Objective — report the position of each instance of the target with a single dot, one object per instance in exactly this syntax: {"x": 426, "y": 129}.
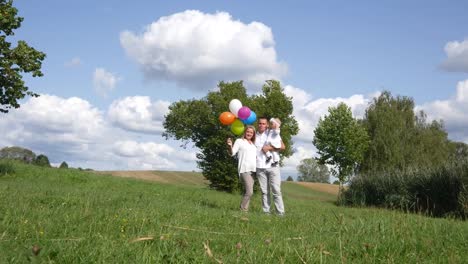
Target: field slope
{"x": 70, "y": 216}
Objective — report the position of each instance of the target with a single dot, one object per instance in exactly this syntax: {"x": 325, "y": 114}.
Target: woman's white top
{"x": 247, "y": 155}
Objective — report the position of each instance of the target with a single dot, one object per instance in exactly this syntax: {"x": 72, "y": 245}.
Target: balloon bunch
{"x": 237, "y": 117}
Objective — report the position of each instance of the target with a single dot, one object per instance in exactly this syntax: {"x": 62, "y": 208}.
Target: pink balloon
{"x": 244, "y": 112}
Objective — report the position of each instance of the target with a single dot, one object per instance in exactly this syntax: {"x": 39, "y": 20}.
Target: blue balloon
{"x": 251, "y": 119}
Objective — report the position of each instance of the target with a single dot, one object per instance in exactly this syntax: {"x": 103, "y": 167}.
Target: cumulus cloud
{"x": 76, "y": 61}
{"x": 308, "y": 111}
{"x": 303, "y": 151}
{"x": 150, "y": 155}
{"x": 138, "y": 114}
{"x": 457, "y": 56}
{"x": 51, "y": 124}
{"x": 73, "y": 130}
{"x": 104, "y": 81}
{"x": 197, "y": 50}
{"x": 452, "y": 111}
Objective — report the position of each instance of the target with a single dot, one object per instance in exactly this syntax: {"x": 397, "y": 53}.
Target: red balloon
{"x": 226, "y": 118}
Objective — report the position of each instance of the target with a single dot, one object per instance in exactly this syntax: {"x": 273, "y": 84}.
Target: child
{"x": 274, "y": 139}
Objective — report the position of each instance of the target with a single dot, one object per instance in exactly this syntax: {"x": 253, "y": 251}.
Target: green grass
{"x": 80, "y": 217}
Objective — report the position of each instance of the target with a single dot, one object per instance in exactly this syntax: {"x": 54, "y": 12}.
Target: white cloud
{"x": 452, "y": 111}
{"x": 138, "y": 114}
{"x": 76, "y": 61}
{"x": 104, "y": 81}
{"x": 303, "y": 151}
{"x": 197, "y": 50}
{"x": 308, "y": 112}
{"x": 72, "y": 130}
{"x": 457, "y": 56}
{"x": 50, "y": 124}
{"x": 150, "y": 155}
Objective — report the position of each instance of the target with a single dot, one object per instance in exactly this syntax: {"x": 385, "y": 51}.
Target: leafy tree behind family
{"x": 400, "y": 139}
{"x": 195, "y": 122}
{"x": 311, "y": 171}
{"x": 341, "y": 141}
{"x": 15, "y": 61}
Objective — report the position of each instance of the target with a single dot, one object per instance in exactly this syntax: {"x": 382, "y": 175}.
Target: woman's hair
{"x": 253, "y": 128}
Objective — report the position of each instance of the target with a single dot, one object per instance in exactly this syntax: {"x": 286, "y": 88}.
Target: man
{"x": 268, "y": 176}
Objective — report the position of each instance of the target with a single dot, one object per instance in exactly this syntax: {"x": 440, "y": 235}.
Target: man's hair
{"x": 263, "y": 117}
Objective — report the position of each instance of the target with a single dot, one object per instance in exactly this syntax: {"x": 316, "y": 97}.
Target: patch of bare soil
{"x": 321, "y": 187}
{"x": 163, "y": 177}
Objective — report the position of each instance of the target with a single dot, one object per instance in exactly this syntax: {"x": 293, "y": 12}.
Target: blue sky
{"x": 110, "y": 70}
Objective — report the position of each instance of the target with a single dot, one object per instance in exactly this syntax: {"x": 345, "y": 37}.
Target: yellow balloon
{"x": 237, "y": 127}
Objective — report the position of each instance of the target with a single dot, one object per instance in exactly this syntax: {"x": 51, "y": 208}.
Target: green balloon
{"x": 237, "y": 127}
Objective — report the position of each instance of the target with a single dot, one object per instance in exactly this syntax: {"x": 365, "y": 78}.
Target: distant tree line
{"x": 27, "y": 156}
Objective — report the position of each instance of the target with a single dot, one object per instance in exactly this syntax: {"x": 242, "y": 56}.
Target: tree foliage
{"x": 341, "y": 141}
{"x": 14, "y": 61}
{"x": 17, "y": 153}
{"x": 290, "y": 178}
{"x": 311, "y": 171}
{"x": 196, "y": 122}
{"x": 458, "y": 151}
{"x": 42, "y": 160}
{"x": 63, "y": 165}
{"x": 399, "y": 139}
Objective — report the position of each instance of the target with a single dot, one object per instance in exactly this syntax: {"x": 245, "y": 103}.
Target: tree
{"x": 42, "y": 160}
{"x": 196, "y": 121}
{"x": 341, "y": 141}
{"x": 63, "y": 165}
{"x": 290, "y": 178}
{"x": 311, "y": 171}
{"x": 399, "y": 139}
{"x": 17, "y": 153}
{"x": 459, "y": 151}
{"x": 15, "y": 61}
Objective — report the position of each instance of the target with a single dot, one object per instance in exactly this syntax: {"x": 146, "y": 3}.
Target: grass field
{"x": 71, "y": 216}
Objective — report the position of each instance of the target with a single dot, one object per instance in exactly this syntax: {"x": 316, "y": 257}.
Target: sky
{"x": 113, "y": 68}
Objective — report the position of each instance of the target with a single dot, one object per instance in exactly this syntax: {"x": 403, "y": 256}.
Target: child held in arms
{"x": 274, "y": 140}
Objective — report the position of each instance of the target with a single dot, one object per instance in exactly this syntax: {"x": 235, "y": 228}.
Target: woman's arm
{"x": 229, "y": 146}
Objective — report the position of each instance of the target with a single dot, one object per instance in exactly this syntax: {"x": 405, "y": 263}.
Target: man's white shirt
{"x": 260, "y": 140}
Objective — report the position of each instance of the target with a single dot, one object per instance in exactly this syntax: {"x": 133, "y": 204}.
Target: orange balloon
{"x": 226, "y": 118}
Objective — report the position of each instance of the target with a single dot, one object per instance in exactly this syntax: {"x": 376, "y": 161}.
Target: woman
{"x": 247, "y": 155}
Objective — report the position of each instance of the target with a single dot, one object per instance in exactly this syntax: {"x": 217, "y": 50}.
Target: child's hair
{"x": 276, "y": 120}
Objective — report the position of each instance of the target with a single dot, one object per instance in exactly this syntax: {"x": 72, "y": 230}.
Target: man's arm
{"x": 269, "y": 147}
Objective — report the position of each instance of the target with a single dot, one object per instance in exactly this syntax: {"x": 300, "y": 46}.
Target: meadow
{"x": 50, "y": 215}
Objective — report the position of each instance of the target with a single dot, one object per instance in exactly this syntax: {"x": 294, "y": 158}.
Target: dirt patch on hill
{"x": 144, "y": 175}
{"x": 321, "y": 187}
{"x": 170, "y": 177}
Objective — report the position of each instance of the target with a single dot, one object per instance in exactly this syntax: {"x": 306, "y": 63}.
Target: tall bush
{"x": 437, "y": 191}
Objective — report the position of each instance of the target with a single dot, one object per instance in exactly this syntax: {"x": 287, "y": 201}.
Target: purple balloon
{"x": 244, "y": 112}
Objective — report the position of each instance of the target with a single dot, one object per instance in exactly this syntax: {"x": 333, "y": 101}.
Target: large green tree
{"x": 196, "y": 122}
{"x": 311, "y": 171}
{"x": 341, "y": 141}
{"x": 14, "y": 61}
{"x": 399, "y": 139}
